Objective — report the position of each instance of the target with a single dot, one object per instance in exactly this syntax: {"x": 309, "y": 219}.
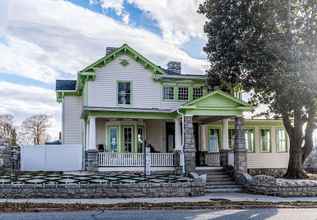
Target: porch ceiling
{"x": 216, "y": 103}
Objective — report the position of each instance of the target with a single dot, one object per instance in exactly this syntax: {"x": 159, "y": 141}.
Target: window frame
{"x": 173, "y": 96}
{"x": 193, "y": 93}
{"x": 278, "y": 141}
{"x": 178, "y": 93}
{"x": 270, "y": 141}
{"x": 131, "y": 89}
{"x": 254, "y": 137}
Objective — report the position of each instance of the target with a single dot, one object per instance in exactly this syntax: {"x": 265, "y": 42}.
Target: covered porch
{"x": 117, "y": 140}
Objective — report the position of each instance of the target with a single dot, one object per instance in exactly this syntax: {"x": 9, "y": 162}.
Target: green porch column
{"x": 189, "y": 145}
{"x": 240, "y": 151}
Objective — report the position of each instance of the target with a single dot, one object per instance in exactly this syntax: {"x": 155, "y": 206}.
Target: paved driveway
{"x": 254, "y": 214}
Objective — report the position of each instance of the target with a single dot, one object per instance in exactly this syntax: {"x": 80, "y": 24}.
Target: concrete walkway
{"x": 236, "y": 197}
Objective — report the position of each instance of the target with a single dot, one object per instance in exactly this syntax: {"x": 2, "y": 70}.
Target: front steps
{"x": 218, "y": 180}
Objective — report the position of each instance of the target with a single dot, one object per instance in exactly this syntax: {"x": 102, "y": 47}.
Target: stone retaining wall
{"x": 269, "y": 185}
{"x": 195, "y": 188}
{"x": 275, "y": 172}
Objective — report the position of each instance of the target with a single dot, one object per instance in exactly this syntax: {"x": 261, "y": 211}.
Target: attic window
{"x": 197, "y": 92}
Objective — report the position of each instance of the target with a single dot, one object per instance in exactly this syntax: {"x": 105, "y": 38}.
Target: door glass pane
{"x": 113, "y": 139}
{"x": 127, "y": 138}
{"x": 231, "y": 138}
{"x": 214, "y": 140}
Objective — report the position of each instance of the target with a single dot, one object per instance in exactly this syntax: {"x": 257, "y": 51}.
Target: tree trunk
{"x": 295, "y": 165}
{"x": 295, "y": 168}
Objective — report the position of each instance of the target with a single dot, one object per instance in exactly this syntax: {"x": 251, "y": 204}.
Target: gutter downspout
{"x": 182, "y": 158}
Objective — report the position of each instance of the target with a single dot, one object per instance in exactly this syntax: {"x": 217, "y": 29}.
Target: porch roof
{"x": 121, "y": 112}
{"x": 216, "y": 103}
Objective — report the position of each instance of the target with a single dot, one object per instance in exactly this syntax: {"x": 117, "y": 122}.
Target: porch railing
{"x": 107, "y": 159}
{"x": 213, "y": 159}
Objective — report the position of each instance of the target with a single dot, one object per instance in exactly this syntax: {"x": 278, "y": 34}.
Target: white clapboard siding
{"x": 268, "y": 160}
{"x": 72, "y": 109}
{"x": 146, "y": 93}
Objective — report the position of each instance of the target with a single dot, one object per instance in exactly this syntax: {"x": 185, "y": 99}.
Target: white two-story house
{"x": 123, "y": 102}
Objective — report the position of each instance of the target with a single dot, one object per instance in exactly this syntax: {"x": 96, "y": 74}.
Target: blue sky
{"x": 45, "y": 40}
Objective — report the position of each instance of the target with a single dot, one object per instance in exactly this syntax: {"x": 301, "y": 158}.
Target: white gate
{"x": 66, "y": 157}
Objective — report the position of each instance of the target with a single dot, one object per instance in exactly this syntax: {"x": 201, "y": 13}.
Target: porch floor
{"x": 54, "y": 178}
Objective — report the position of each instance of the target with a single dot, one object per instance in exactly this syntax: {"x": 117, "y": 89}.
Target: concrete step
{"x": 227, "y": 178}
{"x": 229, "y": 182}
{"x": 225, "y": 186}
{"x": 224, "y": 190}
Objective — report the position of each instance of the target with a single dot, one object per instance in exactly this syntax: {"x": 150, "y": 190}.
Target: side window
{"x": 168, "y": 93}
{"x": 197, "y": 92}
{"x": 250, "y": 139}
{"x": 265, "y": 140}
{"x": 183, "y": 93}
{"x": 281, "y": 140}
{"x": 124, "y": 93}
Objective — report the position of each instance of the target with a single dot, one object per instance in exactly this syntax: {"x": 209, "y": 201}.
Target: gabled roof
{"x": 216, "y": 103}
{"x": 65, "y": 85}
{"x": 127, "y": 50}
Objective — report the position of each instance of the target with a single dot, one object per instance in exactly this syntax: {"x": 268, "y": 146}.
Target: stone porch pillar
{"x": 240, "y": 151}
{"x": 91, "y": 152}
{"x": 189, "y": 145}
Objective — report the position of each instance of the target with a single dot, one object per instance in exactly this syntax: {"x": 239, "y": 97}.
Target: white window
{"x": 281, "y": 140}
{"x": 249, "y": 140}
{"x": 182, "y": 93}
{"x": 197, "y": 92}
{"x": 168, "y": 93}
{"x": 265, "y": 140}
{"x": 124, "y": 93}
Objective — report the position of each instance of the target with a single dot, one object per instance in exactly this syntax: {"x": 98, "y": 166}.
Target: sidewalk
{"x": 233, "y": 197}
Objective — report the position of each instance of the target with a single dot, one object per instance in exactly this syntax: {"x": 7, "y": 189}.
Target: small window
{"x": 168, "y": 93}
{"x": 231, "y": 138}
{"x": 182, "y": 93}
{"x": 124, "y": 93}
{"x": 249, "y": 140}
{"x": 197, "y": 92}
{"x": 281, "y": 141}
{"x": 265, "y": 140}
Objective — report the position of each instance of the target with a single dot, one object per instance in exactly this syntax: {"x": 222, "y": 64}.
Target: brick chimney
{"x": 174, "y": 67}
{"x": 110, "y": 49}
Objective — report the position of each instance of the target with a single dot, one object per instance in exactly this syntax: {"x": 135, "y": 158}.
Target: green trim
{"x": 131, "y": 92}
{"x": 127, "y": 50}
{"x": 219, "y": 92}
{"x": 143, "y": 115}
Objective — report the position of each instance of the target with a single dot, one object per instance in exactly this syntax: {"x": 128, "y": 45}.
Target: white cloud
{"x": 4, "y": 5}
{"x": 24, "y": 101}
{"x": 49, "y": 38}
{"x": 178, "y": 19}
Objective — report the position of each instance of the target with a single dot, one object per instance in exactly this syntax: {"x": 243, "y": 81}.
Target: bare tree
{"x": 34, "y": 129}
{"x": 7, "y": 129}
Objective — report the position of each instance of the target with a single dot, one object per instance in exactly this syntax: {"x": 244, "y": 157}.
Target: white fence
{"x": 107, "y": 159}
{"x": 51, "y": 157}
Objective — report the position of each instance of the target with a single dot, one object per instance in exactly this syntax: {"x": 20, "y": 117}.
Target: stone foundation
{"x": 77, "y": 191}
{"x": 9, "y": 159}
{"x": 275, "y": 172}
{"x": 268, "y": 185}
